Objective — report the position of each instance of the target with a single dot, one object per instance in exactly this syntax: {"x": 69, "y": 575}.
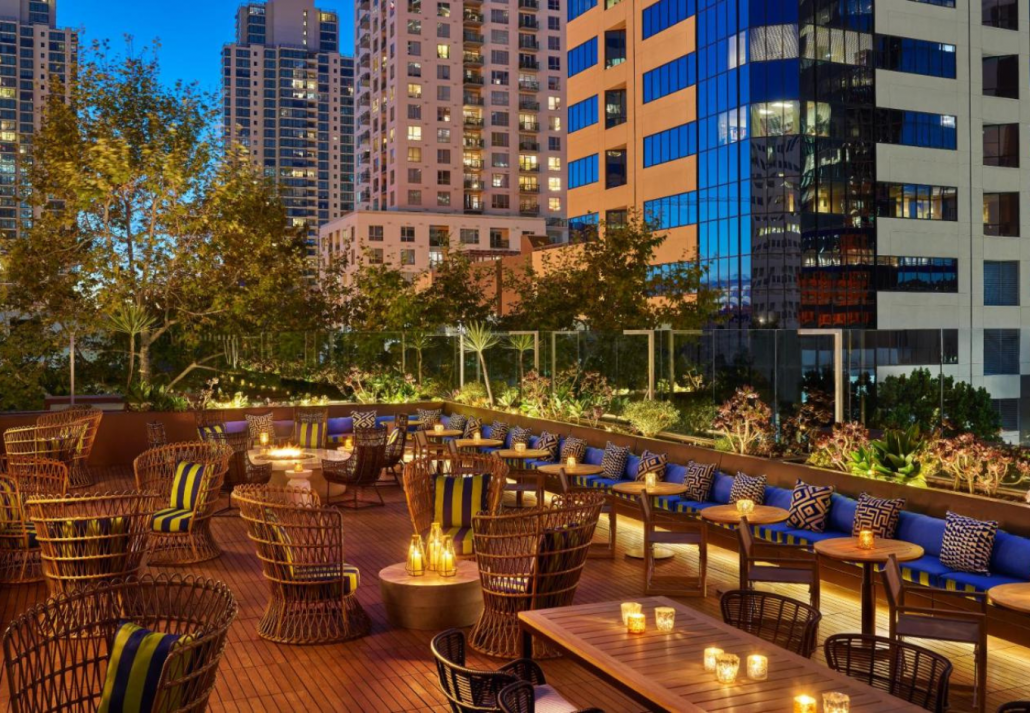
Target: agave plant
{"x": 479, "y": 338}
{"x": 894, "y": 457}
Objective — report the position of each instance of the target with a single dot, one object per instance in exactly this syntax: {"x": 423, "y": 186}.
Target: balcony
{"x": 473, "y": 78}
{"x": 499, "y": 243}
{"x": 529, "y": 167}
{"x": 363, "y": 21}
{"x": 528, "y": 22}
{"x": 529, "y": 85}
{"x": 528, "y": 42}
{"x": 472, "y": 38}
{"x": 473, "y": 164}
{"x": 472, "y": 100}
{"x": 529, "y": 5}
{"x": 473, "y": 184}
{"x": 473, "y": 204}
{"x": 473, "y": 58}
{"x": 529, "y": 145}
{"x": 523, "y": 188}
{"x": 472, "y": 17}
{"x": 529, "y": 104}
{"x": 473, "y": 122}
{"x": 529, "y": 126}
{"x": 529, "y": 209}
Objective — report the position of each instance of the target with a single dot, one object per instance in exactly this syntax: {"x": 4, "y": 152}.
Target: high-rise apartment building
{"x": 834, "y": 165}
{"x": 35, "y": 56}
{"x": 460, "y": 107}
{"x": 288, "y": 98}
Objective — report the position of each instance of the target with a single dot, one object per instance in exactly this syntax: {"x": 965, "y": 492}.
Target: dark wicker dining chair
{"x": 912, "y": 673}
{"x": 361, "y": 470}
{"x": 523, "y": 697}
{"x": 1014, "y": 707}
{"x": 470, "y": 690}
{"x": 780, "y": 620}
{"x": 395, "y": 445}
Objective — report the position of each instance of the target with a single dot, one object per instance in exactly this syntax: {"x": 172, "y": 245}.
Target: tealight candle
{"x": 757, "y": 667}
{"x": 866, "y": 540}
{"x": 520, "y": 447}
{"x": 570, "y": 462}
{"x": 416, "y": 565}
{"x": 297, "y": 467}
{"x": 650, "y": 480}
{"x": 348, "y": 444}
{"x": 630, "y": 608}
{"x": 438, "y": 428}
{"x": 745, "y": 507}
{"x": 804, "y": 704}
{"x": 263, "y": 439}
{"x": 726, "y": 668}
{"x": 477, "y": 437}
{"x": 836, "y": 702}
{"x": 636, "y": 623}
{"x": 711, "y": 653}
{"x": 448, "y": 560}
{"x": 665, "y": 618}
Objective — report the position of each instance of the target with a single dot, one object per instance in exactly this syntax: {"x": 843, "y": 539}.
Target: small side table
{"x": 1014, "y": 596}
{"x": 637, "y": 488}
{"x": 431, "y": 602}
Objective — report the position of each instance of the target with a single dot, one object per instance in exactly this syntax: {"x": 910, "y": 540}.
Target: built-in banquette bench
{"x": 338, "y": 428}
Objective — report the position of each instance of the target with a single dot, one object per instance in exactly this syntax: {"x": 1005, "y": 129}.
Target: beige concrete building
{"x": 460, "y": 108}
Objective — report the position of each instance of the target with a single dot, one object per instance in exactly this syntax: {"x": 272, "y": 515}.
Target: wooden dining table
{"x": 665, "y": 671}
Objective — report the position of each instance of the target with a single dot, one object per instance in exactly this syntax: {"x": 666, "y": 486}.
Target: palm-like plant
{"x": 418, "y": 341}
{"x": 479, "y": 338}
{"x": 520, "y": 344}
{"x": 131, "y": 319}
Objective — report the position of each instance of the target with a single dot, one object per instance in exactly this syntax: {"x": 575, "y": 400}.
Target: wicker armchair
{"x": 156, "y": 435}
{"x": 79, "y": 475}
{"x": 306, "y": 417}
{"x": 395, "y": 447}
{"x": 362, "y": 469}
{"x": 92, "y": 538}
{"x": 29, "y": 444}
{"x": 56, "y": 654}
{"x": 20, "y": 560}
{"x": 300, "y": 544}
{"x": 598, "y": 550}
{"x": 420, "y": 484}
{"x": 522, "y": 697}
{"x": 530, "y": 560}
{"x": 470, "y": 690}
{"x": 191, "y": 540}
{"x": 783, "y": 621}
{"x": 909, "y": 672}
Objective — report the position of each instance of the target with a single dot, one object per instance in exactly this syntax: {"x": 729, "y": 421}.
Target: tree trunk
{"x": 144, "y": 357}
{"x": 522, "y": 375}
{"x": 418, "y": 353}
{"x": 132, "y": 359}
{"x": 486, "y": 380}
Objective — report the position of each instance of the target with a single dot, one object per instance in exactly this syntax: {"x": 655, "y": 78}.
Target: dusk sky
{"x": 192, "y": 32}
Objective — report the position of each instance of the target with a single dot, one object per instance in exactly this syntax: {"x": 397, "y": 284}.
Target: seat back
{"x": 467, "y": 689}
{"x": 156, "y": 435}
{"x": 783, "y": 621}
{"x": 893, "y": 585}
{"x": 563, "y": 481}
{"x": 396, "y": 444}
{"x": 62, "y": 442}
{"x": 517, "y": 698}
{"x": 369, "y": 454}
{"x": 1015, "y": 707}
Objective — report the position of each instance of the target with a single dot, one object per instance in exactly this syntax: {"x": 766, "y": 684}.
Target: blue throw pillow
{"x": 968, "y": 544}
{"x": 810, "y": 506}
{"x": 613, "y": 462}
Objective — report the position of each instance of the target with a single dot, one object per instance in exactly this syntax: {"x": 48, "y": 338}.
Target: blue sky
{"x": 192, "y": 32}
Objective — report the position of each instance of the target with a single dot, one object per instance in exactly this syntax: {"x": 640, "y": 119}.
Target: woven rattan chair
{"x": 772, "y": 563}
{"x": 308, "y": 416}
{"x": 470, "y": 690}
{"x": 30, "y": 444}
{"x": 300, "y": 544}
{"x": 420, "y": 484}
{"x": 361, "y": 471}
{"x": 98, "y": 537}
{"x": 523, "y": 697}
{"x": 79, "y": 475}
{"x": 783, "y": 621}
{"x": 156, "y": 435}
{"x": 155, "y": 472}
{"x": 395, "y": 447}
{"x": 1014, "y": 707}
{"x": 598, "y": 550}
{"x": 20, "y": 560}
{"x": 910, "y": 672}
{"x": 56, "y": 654}
{"x": 530, "y": 560}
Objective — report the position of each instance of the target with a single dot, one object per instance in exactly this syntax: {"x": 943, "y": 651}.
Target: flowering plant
{"x": 743, "y": 421}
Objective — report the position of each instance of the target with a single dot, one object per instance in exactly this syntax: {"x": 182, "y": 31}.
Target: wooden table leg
{"x": 868, "y": 600}
{"x": 527, "y": 644}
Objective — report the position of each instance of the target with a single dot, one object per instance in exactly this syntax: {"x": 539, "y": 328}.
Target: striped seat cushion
{"x": 338, "y": 439}
{"x": 206, "y": 432}
{"x": 462, "y": 537}
{"x": 189, "y": 477}
{"x": 10, "y": 504}
{"x": 333, "y": 575}
{"x": 93, "y": 537}
{"x": 18, "y": 536}
{"x": 311, "y": 435}
{"x": 172, "y": 520}
{"x": 134, "y": 670}
{"x": 458, "y": 499}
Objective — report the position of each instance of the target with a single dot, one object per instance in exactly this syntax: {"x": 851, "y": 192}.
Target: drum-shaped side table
{"x": 431, "y": 602}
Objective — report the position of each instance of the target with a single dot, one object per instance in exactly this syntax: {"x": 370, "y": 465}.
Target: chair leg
{"x": 980, "y": 662}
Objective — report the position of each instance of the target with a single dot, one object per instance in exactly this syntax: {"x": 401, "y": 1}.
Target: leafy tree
{"x": 917, "y": 398}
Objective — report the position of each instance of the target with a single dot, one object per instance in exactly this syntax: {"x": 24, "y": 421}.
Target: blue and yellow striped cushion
{"x": 459, "y": 498}
{"x": 462, "y": 537}
{"x": 189, "y": 477}
{"x": 25, "y": 532}
{"x": 134, "y": 670}
{"x": 310, "y": 435}
{"x": 349, "y": 576}
{"x": 172, "y": 520}
{"x": 206, "y": 432}
{"x": 10, "y": 506}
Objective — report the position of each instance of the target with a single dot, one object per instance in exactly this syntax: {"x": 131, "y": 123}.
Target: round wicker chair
{"x": 155, "y": 472}
{"x": 300, "y": 544}
{"x": 156, "y": 434}
{"x": 56, "y": 654}
{"x": 20, "y": 560}
{"x": 97, "y": 537}
{"x": 28, "y": 444}
{"x": 79, "y": 474}
{"x": 361, "y": 471}
{"x": 530, "y": 560}
{"x": 783, "y": 621}
{"x": 420, "y": 483}
{"x": 395, "y": 447}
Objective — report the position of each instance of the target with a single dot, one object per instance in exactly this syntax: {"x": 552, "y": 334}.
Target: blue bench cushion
{"x": 922, "y": 530}
{"x": 927, "y": 571}
{"x": 688, "y": 506}
{"x": 969, "y": 582}
{"x": 721, "y": 487}
{"x": 842, "y": 514}
{"x": 1011, "y": 556}
{"x": 341, "y": 425}
{"x": 594, "y": 456}
{"x": 778, "y": 497}
{"x": 675, "y": 473}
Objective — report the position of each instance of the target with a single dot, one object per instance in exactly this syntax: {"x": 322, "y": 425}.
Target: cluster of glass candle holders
{"x": 438, "y": 557}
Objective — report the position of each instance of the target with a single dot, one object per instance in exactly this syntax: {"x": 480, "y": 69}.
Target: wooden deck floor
{"x": 391, "y": 669}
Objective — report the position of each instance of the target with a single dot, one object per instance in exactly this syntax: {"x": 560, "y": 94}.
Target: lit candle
{"x": 520, "y": 447}
{"x": 726, "y": 667}
{"x": 757, "y": 667}
{"x": 297, "y": 467}
{"x": 745, "y": 507}
{"x": 665, "y": 618}
{"x": 438, "y": 428}
{"x": 448, "y": 560}
{"x": 263, "y": 439}
{"x": 650, "y": 480}
{"x": 416, "y": 557}
{"x": 435, "y": 544}
{"x": 630, "y": 608}
{"x": 711, "y": 653}
{"x": 349, "y": 443}
{"x": 477, "y": 437}
{"x": 570, "y": 462}
{"x": 804, "y": 704}
{"x": 836, "y": 702}
{"x": 866, "y": 540}
{"x": 636, "y": 623}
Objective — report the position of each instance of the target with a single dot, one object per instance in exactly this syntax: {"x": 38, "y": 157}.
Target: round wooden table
{"x": 431, "y": 602}
{"x": 846, "y": 549}
{"x": 729, "y": 515}
{"x": 636, "y": 488}
{"x": 445, "y": 433}
{"x": 1011, "y": 596}
{"x": 481, "y": 443}
{"x": 526, "y": 480}
{"x": 578, "y": 469}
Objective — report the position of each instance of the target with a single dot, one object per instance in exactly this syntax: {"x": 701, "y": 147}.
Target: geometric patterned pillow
{"x": 256, "y": 425}
{"x": 968, "y": 544}
{"x": 880, "y": 515}
{"x": 457, "y": 422}
{"x": 499, "y": 430}
{"x": 364, "y": 419}
{"x": 810, "y": 506}
{"x": 747, "y": 487}
{"x": 613, "y": 462}
{"x": 573, "y": 447}
{"x": 520, "y": 435}
{"x": 698, "y": 480}
{"x": 548, "y": 442}
{"x": 471, "y": 426}
{"x": 427, "y": 417}
{"x": 652, "y": 463}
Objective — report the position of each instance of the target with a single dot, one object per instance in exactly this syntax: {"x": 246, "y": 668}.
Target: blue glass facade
{"x": 583, "y": 114}
{"x": 583, "y": 171}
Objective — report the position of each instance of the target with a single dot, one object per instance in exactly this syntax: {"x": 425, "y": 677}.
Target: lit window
{"x": 414, "y": 91}
{"x": 553, "y": 163}
{"x": 414, "y": 154}
{"x": 443, "y": 51}
{"x": 414, "y": 133}
{"x": 554, "y": 103}
{"x": 554, "y": 185}
{"x": 554, "y": 205}
{"x": 555, "y": 123}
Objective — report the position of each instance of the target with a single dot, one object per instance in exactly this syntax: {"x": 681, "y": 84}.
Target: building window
{"x": 414, "y": 175}
{"x": 583, "y": 171}
{"x": 443, "y": 178}
{"x": 671, "y": 77}
{"x": 414, "y": 91}
{"x": 916, "y": 274}
{"x": 917, "y": 201}
{"x": 939, "y": 3}
{"x": 583, "y": 114}
{"x": 664, "y": 14}
{"x": 414, "y": 197}
{"x": 917, "y": 128}
{"x": 773, "y": 42}
{"x": 670, "y": 145}
{"x": 614, "y": 107}
{"x": 583, "y": 225}
{"x": 615, "y": 168}
{"x": 1001, "y": 351}
{"x": 904, "y": 54}
{"x": 443, "y": 155}
{"x": 582, "y": 57}
{"x": 1000, "y": 13}
{"x": 500, "y": 202}
{"x": 1008, "y": 413}
{"x": 437, "y": 235}
{"x": 1001, "y": 76}
{"x": 782, "y": 118}
{"x": 1001, "y": 214}
{"x": 375, "y": 232}
{"x": 414, "y": 133}
{"x": 415, "y": 154}
{"x": 554, "y": 185}
{"x": 470, "y": 236}
{"x": 1001, "y": 283}
{"x": 414, "y": 69}
{"x": 615, "y": 218}
{"x": 553, "y": 163}
{"x": 443, "y": 198}
{"x": 614, "y": 48}
{"x": 443, "y": 51}
{"x": 407, "y": 233}
{"x": 554, "y": 205}
{"x": 407, "y": 256}
{"x": 375, "y": 256}
{"x": 498, "y": 239}
{"x": 672, "y": 211}
{"x": 1001, "y": 145}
